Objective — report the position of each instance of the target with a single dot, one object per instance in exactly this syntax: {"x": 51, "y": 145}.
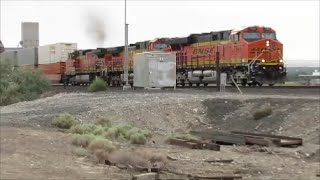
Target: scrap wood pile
{"x": 170, "y": 176}
{"x": 236, "y": 138}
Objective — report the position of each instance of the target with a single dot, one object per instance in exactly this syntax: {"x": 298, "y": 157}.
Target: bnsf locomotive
{"x": 249, "y": 56}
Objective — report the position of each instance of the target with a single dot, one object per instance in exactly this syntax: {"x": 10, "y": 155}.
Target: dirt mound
{"x": 292, "y": 117}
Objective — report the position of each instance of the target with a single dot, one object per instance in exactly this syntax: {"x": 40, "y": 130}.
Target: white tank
{"x": 197, "y": 73}
{"x": 209, "y": 73}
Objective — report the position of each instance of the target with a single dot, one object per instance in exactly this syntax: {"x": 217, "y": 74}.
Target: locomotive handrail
{"x": 250, "y": 65}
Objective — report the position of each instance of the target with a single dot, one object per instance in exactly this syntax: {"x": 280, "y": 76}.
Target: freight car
{"x": 250, "y": 56}
{"x": 49, "y": 59}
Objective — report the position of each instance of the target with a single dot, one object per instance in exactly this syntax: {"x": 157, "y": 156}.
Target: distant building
{"x": 311, "y": 80}
{"x": 29, "y": 34}
{"x": 11, "y": 49}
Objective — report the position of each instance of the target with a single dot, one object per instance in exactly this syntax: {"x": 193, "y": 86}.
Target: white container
{"x": 54, "y": 53}
{"x": 10, "y": 57}
{"x": 27, "y": 56}
{"x": 154, "y": 69}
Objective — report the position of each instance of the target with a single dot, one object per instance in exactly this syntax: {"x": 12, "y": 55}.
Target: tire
{"x": 205, "y": 84}
{"x": 198, "y": 84}
{"x": 271, "y": 84}
{"x": 190, "y": 84}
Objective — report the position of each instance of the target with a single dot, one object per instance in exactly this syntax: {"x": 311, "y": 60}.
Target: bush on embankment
{"x": 20, "y": 84}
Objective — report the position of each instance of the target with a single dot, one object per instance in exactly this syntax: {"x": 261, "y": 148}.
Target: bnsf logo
{"x": 202, "y": 51}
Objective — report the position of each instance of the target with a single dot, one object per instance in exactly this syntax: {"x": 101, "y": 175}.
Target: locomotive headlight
{"x": 281, "y": 60}
{"x": 263, "y": 60}
{"x": 263, "y": 67}
{"x": 267, "y": 43}
{"x": 280, "y": 67}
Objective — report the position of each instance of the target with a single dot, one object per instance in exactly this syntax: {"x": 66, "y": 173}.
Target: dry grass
{"x": 262, "y": 112}
{"x": 100, "y": 143}
{"x": 101, "y": 148}
{"x": 82, "y": 140}
{"x": 101, "y": 155}
{"x": 185, "y": 136}
{"x": 96, "y": 138}
{"x": 103, "y": 121}
{"x": 139, "y": 158}
{"x": 64, "y": 120}
{"x": 81, "y": 152}
{"x": 83, "y": 128}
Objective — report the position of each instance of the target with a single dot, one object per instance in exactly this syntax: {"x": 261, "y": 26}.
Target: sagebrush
{"x": 184, "y": 136}
{"x": 20, "y": 84}
{"x": 262, "y": 112}
{"x": 64, "y": 120}
{"x": 98, "y": 85}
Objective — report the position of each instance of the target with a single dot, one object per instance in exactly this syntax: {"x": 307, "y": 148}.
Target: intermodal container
{"x": 54, "y": 53}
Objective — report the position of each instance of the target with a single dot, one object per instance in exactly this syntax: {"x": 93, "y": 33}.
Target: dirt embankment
{"x": 31, "y": 149}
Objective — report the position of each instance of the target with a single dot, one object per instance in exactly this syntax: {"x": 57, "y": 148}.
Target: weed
{"x": 138, "y": 138}
{"x": 98, "y": 85}
{"x": 82, "y": 140}
{"x": 81, "y": 152}
{"x": 83, "y": 128}
{"x": 262, "y": 112}
{"x": 100, "y": 143}
{"x": 103, "y": 121}
{"x": 184, "y": 136}
{"x": 64, "y": 120}
{"x": 19, "y": 84}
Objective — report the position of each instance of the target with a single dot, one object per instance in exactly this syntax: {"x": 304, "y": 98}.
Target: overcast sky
{"x": 296, "y": 22}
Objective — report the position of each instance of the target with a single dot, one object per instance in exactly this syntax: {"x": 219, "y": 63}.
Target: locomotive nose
{"x": 267, "y": 50}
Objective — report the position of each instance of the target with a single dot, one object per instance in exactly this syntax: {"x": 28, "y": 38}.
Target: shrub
{"x": 139, "y": 158}
{"x": 97, "y": 85}
{"x": 101, "y": 155}
{"x": 138, "y": 138}
{"x": 19, "y": 84}
{"x": 111, "y": 133}
{"x": 82, "y": 140}
{"x": 64, "y": 120}
{"x": 123, "y": 129}
{"x": 182, "y": 136}
{"x": 99, "y": 130}
{"x": 262, "y": 112}
{"x": 83, "y": 128}
{"x": 81, "y": 152}
{"x": 100, "y": 143}
{"x": 103, "y": 121}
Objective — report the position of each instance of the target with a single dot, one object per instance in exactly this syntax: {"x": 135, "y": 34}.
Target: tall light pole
{"x": 126, "y": 79}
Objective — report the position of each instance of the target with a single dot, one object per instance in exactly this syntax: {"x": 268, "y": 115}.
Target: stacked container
{"x": 52, "y": 59}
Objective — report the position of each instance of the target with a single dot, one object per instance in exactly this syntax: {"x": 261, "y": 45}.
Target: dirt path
{"x": 46, "y": 154}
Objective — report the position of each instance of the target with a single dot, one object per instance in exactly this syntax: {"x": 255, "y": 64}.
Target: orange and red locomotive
{"x": 251, "y": 55}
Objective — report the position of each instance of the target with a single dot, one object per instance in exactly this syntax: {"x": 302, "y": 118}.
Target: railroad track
{"x": 214, "y": 86}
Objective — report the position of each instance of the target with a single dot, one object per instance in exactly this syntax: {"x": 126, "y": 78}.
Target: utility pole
{"x": 218, "y": 69}
{"x": 125, "y": 78}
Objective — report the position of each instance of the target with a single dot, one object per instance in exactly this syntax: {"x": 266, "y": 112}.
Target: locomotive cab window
{"x": 235, "y": 37}
{"x": 269, "y": 35}
{"x": 251, "y": 36}
{"x": 160, "y": 46}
